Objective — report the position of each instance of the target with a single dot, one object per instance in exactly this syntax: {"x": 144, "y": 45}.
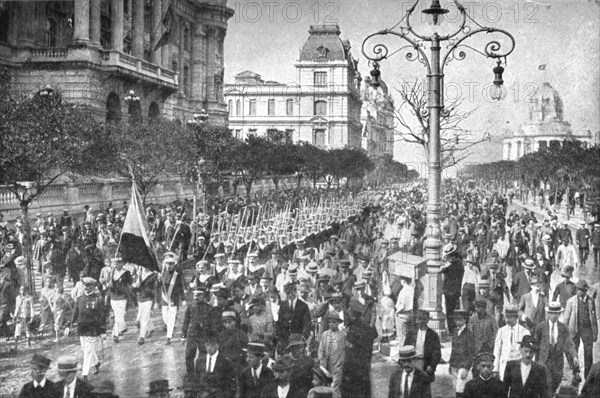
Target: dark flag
{"x": 135, "y": 246}
{"x": 167, "y": 21}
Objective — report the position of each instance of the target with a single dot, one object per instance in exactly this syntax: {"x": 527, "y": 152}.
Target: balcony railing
{"x": 130, "y": 63}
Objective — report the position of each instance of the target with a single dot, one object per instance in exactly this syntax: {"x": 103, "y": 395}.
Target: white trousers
{"x": 169, "y": 315}
{"x": 88, "y": 344}
{"x": 21, "y": 325}
{"x": 144, "y": 317}
{"x": 118, "y": 307}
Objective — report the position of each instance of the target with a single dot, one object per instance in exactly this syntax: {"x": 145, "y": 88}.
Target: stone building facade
{"x": 544, "y": 128}
{"x": 169, "y": 52}
{"x": 322, "y": 107}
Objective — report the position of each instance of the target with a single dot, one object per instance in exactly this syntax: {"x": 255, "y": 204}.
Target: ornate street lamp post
{"x": 417, "y": 44}
{"x": 133, "y": 102}
{"x": 203, "y": 166}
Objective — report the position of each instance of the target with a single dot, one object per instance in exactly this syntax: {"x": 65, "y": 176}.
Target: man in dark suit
{"x": 484, "y": 385}
{"x": 555, "y": 343}
{"x": 294, "y": 316}
{"x": 427, "y": 345}
{"x": 526, "y": 378}
{"x": 70, "y": 385}
{"x": 214, "y": 369}
{"x": 256, "y": 376}
{"x": 532, "y": 305}
{"x": 281, "y": 387}
{"x": 591, "y": 387}
{"x": 39, "y": 387}
{"x": 453, "y": 273}
{"x": 408, "y": 381}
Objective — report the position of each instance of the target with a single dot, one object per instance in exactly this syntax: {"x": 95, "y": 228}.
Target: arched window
{"x": 271, "y": 107}
{"x": 238, "y": 107}
{"x": 252, "y": 111}
{"x": 113, "y": 107}
{"x": 186, "y": 39}
{"x": 289, "y": 107}
{"x": 51, "y": 32}
{"x": 320, "y": 108}
{"x": 230, "y": 107}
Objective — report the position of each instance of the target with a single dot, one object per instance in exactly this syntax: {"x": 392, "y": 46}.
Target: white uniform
{"x": 506, "y": 347}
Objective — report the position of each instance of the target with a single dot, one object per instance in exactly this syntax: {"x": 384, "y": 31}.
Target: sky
{"x": 266, "y": 36}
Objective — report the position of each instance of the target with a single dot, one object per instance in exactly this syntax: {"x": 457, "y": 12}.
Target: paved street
{"x": 132, "y": 367}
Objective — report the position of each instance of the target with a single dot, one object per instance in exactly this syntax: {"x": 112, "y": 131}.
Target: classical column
{"x": 137, "y": 27}
{"x": 157, "y": 30}
{"x": 165, "y": 51}
{"x": 95, "y": 22}
{"x": 116, "y": 25}
{"x": 181, "y": 25}
{"x": 82, "y": 21}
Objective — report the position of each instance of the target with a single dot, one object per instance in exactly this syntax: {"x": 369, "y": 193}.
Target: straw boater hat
{"x": 256, "y": 348}
{"x": 460, "y": 314}
{"x": 535, "y": 280}
{"x": 554, "y": 307}
{"x": 334, "y": 316}
{"x": 407, "y": 352}
{"x": 449, "y": 249}
{"x": 528, "y": 263}
{"x": 510, "y": 309}
{"x": 228, "y": 316}
{"x": 67, "y": 364}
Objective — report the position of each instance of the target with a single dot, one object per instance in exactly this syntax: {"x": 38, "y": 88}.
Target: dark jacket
{"x": 290, "y": 322}
{"x": 195, "y": 321}
{"x": 223, "y": 373}
{"x": 463, "y": 349}
{"x": 90, "y": 314}
{"x": 420, "y": 387}
{"x": 82, "y": 389}
{"x": 49, "y": 391}
{"x": 432, "y": 352}
{"x": 564, "y": 342}
{"x": 248, "y": 388}
{"x": 270, "y": 391}
{"x": 536, "y": 385}
{"x": 490, "y": 388}
{"x": 453, "y": 277}
{"x": 591, "y": 387}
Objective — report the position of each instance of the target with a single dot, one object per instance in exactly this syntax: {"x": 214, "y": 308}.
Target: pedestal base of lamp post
{"x": 437, "y": 322}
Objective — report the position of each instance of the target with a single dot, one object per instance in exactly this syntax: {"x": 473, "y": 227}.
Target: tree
{"x": 387, "y": 171}
{"x": 248, "y": 160}
{"x": 41, "y": 140}
{"x": 282, "y": 156}
{"x": 349, "y": 163}
{"x": 147, "y": 150}
{"x": 413, "y": 125}
{"x": 310, "y": 162}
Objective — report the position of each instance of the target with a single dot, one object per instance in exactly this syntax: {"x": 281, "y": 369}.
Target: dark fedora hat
{"x": 582, "y": 285}
{"x": 40, "y": 360}
{"x": 157, "y": 386}
{"x": 530, "y": 342}
{"x": 282, "y": 364}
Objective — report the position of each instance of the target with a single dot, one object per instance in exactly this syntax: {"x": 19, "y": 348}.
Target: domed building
{"x": 544, "y": 128}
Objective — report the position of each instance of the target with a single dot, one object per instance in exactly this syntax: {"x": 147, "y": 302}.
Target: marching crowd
{"x": 286, "y": 300}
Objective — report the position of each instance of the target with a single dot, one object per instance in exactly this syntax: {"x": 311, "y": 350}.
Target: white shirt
{"x": 553, "y": 332}
{"x": 274, "y": 311}
{"x": 506, "y": 346}
{"x": 211, "y": 359}
{"x": 282, "y": 392}
{"x": 420, "y": 343}
{"x": 534, "y": 298}
{"x": 256, "y": 372}
{"x": 410, "y": 380}
{"x": 525, "y": 369}
{"x": 69, "y": 391}
{"x": 405, "y": 298}
{"x": 40, "y": 384}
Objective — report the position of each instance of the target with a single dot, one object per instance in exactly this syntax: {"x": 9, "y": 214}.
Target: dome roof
{"x": 324, "y": 44}
{"x": 545, "y": 105}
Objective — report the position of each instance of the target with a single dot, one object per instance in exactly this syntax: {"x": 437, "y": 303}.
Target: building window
{"x": 320, "y": 108}
{"x": 230, "y": 107}
{"x": 126, "y": 7}
{"x": 289, "y": 136}
{"x": 252, "y": 111}
{"x": 4, "y": 23}
{"x": 252, "y": 132}
{"x": 271, "y": 107}
{"x": 518, "y": 149}
{"x": 319, "y": 138}
{"x": 289, "y": 107}
{"x": 238, "y": 134}
{"x": 508, "y": 150}
{"x": 320, "y": 78}
{"x": 186, "y": 80}
{"x": 238, "y": 107}
{"x": 51, "y": 32}
{"x": 543, "y": 146}
{"x": 186, "y": 39}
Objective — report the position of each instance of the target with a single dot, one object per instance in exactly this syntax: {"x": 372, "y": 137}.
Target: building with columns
{"x": 544, "y": 128}
{"x": 169, "y": 52}
{"x": 323, "y": 106}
